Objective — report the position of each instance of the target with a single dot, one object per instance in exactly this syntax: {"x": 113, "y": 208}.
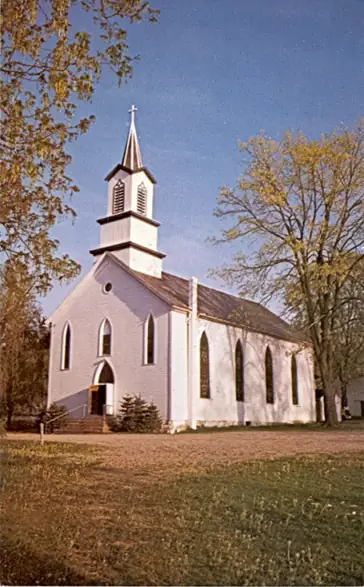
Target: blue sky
{"x": 213, "y": 72}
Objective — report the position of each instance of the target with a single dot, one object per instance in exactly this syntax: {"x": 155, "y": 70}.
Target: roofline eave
{"x": 130, "y": 171}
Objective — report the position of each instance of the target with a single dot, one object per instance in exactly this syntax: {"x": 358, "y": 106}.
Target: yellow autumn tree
{"x": 298, "y": 209}
{"x": 49, "y": 64}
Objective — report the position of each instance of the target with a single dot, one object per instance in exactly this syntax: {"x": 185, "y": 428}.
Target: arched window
{"x": 150, "y": 341}
{"x": 239, "y": 372}
{"x": 66, "y": 348}
{"x": 142, "y": 199}
{"x": 204, "y": 367}
{"x": 118, "y": 198}
{"x": 294, "y": 381}
{"x": 105, "y": 338}
{"x": 269, "y": 379}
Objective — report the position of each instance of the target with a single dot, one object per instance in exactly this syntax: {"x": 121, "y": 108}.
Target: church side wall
{"x": 355, "y": 396}
{"x": 127, "y": 308}
{"x": 223, "y": 406}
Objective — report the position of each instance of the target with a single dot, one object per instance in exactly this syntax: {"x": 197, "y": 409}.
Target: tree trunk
{"x": 9, "y": 404}
{"x": 344, "y": 396}
{"x": 9, "y": 417}
{"x": 331, "y": 418}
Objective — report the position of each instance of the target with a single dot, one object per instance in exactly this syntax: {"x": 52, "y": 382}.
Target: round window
{"x": 108, "y": 287}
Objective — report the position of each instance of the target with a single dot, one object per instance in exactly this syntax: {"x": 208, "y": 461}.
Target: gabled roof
{"x": 212, "y": 304}
{"x": 220, "y": 306}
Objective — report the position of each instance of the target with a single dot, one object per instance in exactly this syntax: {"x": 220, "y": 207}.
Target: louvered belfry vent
{"x": 118, "y": 198}
{"x": 142, "y": 200}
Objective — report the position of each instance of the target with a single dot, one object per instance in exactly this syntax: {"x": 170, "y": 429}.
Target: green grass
{"x": 66, "y": 518}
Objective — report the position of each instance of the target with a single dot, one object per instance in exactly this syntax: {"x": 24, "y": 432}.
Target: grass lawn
{"x": 69, "y": 519}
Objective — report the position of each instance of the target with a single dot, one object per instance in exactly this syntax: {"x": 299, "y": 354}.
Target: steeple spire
{"x": 132, "y": 158}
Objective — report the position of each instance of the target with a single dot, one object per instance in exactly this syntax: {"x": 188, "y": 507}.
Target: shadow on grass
{"x": 22, "y": 565}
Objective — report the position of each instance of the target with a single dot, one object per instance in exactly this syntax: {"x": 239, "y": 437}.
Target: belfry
{"x": 129, "y": 230}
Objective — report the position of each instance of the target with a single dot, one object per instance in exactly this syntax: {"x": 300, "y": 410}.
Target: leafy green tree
{"x": 348, "y": 346}
{"x": 24, "y": 342}
{"x": 298, "y": 209}
{"x": 48, "y": 66}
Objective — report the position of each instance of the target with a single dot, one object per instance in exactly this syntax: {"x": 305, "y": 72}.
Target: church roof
{"x": 220, "y": 306}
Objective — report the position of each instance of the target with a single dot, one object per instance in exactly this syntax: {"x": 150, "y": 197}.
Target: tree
{"x": 136, "y": 415}
{"x": 152, "y": 419}
{"x": 125, "y": 419}
{"x": 299, "y": 210}
{"x": 348, "y": 346}
{"x": 47, "y": 65}
{"x": 24, "y": 342}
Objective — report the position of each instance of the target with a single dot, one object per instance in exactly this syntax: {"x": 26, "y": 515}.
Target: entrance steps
{"x": 87, "y": 425}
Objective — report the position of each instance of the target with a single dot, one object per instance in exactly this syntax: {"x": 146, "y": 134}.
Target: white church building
{"x": 202, "y": 356}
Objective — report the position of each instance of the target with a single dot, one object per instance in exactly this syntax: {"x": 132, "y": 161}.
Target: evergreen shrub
{"x": 136, "y": 415}
{"x": 53, "y": 411}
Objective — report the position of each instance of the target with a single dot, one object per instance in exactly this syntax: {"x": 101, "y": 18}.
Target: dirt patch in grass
{"x": 70, "y": 517}
{"x": 155, "y": 454}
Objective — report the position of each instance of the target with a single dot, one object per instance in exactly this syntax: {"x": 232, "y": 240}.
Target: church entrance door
{"x": 98, "y": 400}
{"x": 102, "y": 395}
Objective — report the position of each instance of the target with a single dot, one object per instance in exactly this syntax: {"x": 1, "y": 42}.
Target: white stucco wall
{"x": 355, "y": 395}
{"x": 223, "y": 406}
{"x": 126, "y": 307}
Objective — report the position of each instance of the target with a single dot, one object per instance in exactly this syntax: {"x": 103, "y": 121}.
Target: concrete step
{"x": 88, "y": 425}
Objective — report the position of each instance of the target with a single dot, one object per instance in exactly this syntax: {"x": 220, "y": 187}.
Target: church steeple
{"x": 132, "y": 158}
{"x": 129, "y": 230}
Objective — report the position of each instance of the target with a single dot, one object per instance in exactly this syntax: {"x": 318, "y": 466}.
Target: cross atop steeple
{"x": 132, "y": 111}
{"x": 132, "y": 158}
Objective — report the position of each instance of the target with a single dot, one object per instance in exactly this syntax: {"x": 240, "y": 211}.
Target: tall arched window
{"x": 204, "y": 367}
{"x": 142, "y": 199}
{"x": 239, "y": 372}
{"x": 105, "y": 338}
{"x": 118, "y": 198}
{"x": 269, "y": 378}
{"x": 294, "y": 381}
{"x": 66, "y": 348}
{"x": 150, "y": 341}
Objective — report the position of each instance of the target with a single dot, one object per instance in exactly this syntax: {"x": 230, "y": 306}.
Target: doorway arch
{"x": 102, "y": 395}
